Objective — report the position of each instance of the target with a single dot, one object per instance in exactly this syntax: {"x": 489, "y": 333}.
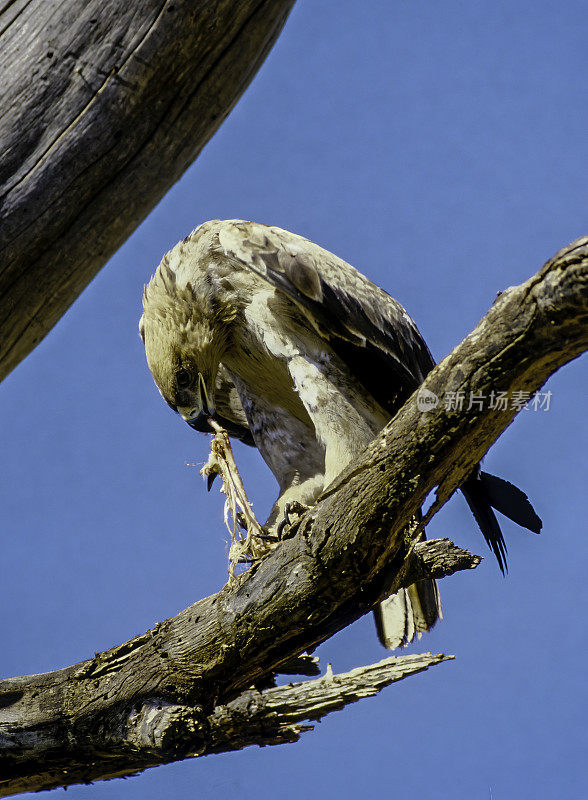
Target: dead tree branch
{"x": 157, "y": 732}
{"x": 104, "y": 104}
{"x": 217, "y": 648}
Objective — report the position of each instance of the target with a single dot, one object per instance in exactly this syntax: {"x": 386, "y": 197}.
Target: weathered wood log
{"x": 217, "y": 648}
{"x": 103, "y": 105}
{"x": 157, "y": 732}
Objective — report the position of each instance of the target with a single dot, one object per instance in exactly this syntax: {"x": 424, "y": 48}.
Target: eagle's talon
{"x": 296, "y": 509}
{"x": 267, "y": 537}
{"x": 241, "y": 520}
{"x": 283, "y": 522}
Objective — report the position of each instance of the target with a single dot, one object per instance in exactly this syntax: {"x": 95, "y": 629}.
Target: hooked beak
{"x": 200, "y": 422}
{"x": 198, "y": 417}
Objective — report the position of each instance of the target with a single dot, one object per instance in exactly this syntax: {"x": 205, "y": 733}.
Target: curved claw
{"x": 295, "y": 509}
{"x": 267, "y": 537}
{"x": 283, "y": 522}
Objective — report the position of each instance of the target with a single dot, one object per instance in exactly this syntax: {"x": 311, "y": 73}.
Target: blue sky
{"x": 442, "y": 150}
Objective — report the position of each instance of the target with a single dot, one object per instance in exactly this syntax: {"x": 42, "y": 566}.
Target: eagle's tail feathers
{"x": 480, "y": 506}
{"x": 483, "y": 492}
{"x": 407, "y": 614}
{"x": 510, "y": 501}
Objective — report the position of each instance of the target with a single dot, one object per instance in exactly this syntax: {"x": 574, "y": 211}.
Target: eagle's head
{"x": 185, "y": 331}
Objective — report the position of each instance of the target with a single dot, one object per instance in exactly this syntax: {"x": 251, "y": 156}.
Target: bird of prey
{"x": 295, "y": 352}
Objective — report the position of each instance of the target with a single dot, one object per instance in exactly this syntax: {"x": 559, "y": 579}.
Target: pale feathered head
{"x": 185, "y": 330}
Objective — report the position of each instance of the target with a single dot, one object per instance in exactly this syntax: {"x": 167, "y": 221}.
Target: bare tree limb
{"x": 157, "y": 732}
{"x": 438, "y": 558}
{"x": 272, "y": 716}
{"x": 44, "y": 744}
{"x": 103, "y": 105}
{"x": 217, "y": 648}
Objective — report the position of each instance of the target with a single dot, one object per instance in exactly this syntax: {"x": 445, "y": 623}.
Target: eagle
{"x": 295, "y": 352}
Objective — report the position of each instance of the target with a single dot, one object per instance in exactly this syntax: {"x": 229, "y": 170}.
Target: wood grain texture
{"x": 329, "y": 572}
{"x": 157, "y": 732}
{"x": 103, "y": 105}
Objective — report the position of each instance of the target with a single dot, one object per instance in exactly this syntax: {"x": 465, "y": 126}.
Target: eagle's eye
{"x": 183, "y": 378}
